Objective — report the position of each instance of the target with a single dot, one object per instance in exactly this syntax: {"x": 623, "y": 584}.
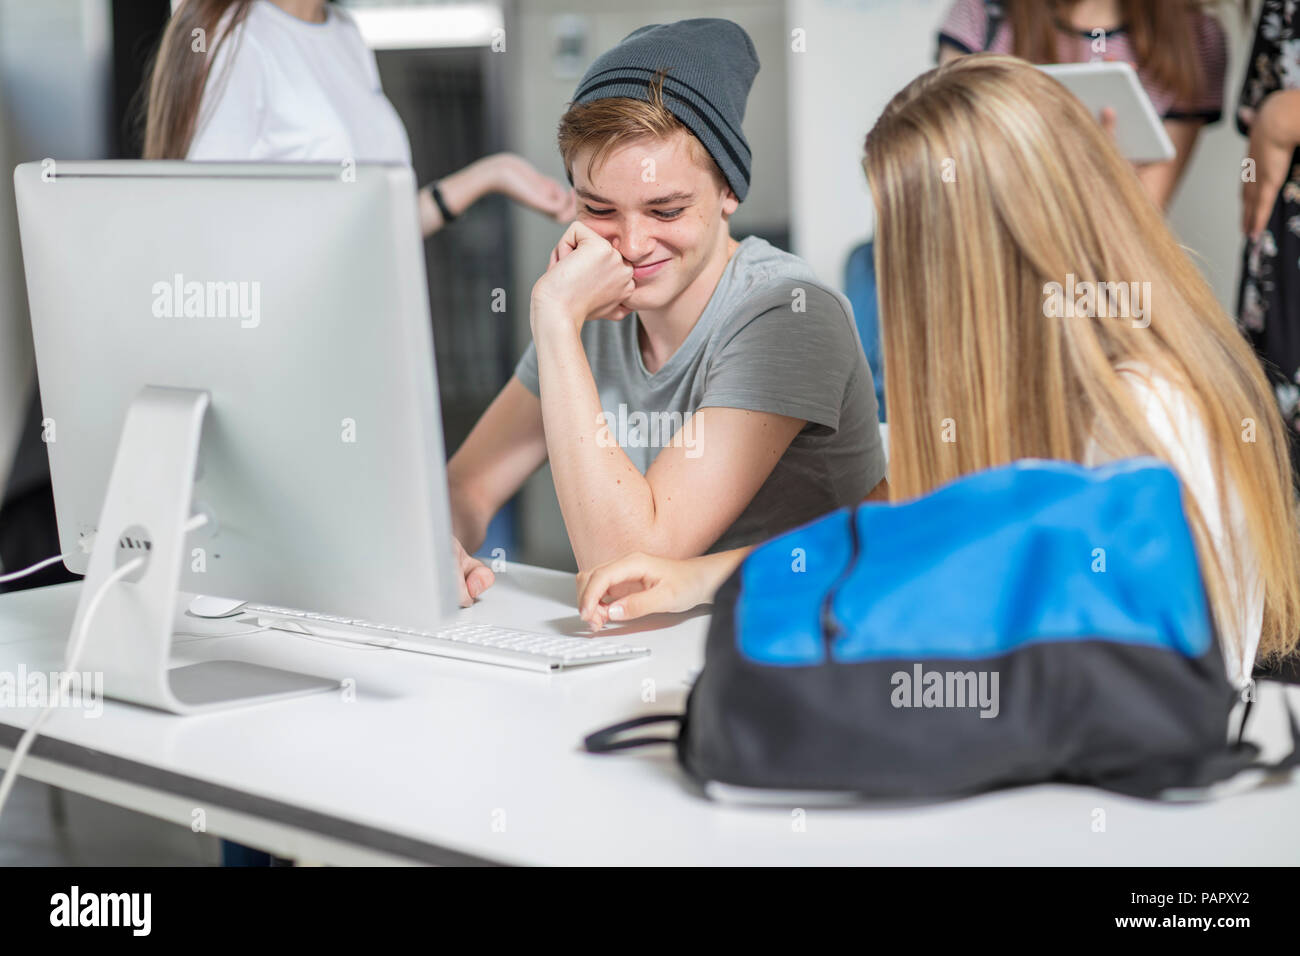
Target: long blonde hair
{"x": 991, "y": 181}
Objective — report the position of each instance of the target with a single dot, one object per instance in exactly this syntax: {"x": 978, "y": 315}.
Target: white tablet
{"x": 1139, "y": 133}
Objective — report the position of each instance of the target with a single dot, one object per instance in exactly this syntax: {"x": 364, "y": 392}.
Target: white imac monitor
{"x": 250, "y": 343}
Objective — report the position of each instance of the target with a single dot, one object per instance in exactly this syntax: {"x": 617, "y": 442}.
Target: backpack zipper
{"x": 831, "y": 628}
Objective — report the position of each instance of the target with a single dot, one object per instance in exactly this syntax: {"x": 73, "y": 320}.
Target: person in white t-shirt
{"x": 993, "y": 186}
{"x": 292, "y": 80}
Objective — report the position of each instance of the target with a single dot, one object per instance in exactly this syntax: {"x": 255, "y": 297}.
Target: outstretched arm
{"x": 504, "y": 173}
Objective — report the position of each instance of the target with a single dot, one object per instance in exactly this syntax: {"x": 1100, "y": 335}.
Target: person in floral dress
{"x": 1268, "y": 308}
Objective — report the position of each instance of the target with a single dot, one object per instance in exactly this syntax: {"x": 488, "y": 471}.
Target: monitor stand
{"x": 148, "y": 503}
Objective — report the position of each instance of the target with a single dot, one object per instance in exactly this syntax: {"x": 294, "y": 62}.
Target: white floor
{"x": 42, "y": 826}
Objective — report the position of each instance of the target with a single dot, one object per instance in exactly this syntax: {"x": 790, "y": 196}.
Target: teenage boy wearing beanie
{"x": 692, "y": 392}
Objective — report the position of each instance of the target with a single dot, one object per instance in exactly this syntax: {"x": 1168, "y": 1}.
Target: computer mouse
{"x": 204, "y": 606}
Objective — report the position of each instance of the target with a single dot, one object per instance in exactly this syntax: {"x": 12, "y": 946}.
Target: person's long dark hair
{"x": 180, "y": 70}
{"x": 1164, "y": 42}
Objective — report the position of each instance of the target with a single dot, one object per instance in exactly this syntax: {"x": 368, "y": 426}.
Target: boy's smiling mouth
{"x": 648, "y": 269}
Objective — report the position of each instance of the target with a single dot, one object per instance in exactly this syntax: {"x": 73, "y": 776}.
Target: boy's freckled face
{"x": 660, "y": 207}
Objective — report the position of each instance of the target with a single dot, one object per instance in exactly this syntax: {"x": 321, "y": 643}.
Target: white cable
{"x": 196, "y": 521}
{"x": 195, "y": 636}
{"x": 360, "y": 643}
{"x": 70, "y": 658}
{"x": 69, "y": 666}
{"x": 15, "y": 575}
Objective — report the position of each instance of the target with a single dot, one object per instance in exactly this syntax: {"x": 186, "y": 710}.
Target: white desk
{"x": 443, "y": 762}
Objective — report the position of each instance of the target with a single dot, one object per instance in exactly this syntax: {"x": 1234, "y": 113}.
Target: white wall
{"x": 1207, "y": 209}
{"x": 860, "y": 52}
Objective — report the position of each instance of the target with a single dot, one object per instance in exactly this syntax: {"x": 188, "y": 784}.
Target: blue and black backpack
{"x": 1040, "y": 622}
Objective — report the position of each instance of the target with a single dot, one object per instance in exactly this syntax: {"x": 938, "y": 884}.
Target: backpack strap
{"x": 604, "y": 741}
{"x": 1228, "y": 771}
{"x": 1291, "y": 759}
{"x": 1245, "y": 716}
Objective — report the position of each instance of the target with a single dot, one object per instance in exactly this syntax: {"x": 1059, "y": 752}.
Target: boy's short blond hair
{"x": 606, "y": 124}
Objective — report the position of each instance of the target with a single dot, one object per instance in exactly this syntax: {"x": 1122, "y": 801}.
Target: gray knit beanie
{"x": 711, "y": 65}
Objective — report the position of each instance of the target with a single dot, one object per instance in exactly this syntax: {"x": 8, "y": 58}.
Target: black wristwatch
{"x": 447, "y": 214}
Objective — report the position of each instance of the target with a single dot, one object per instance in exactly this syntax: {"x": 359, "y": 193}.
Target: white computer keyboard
{"x": 484, "y": 643}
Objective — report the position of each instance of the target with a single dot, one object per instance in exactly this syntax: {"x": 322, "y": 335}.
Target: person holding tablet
{"x": 293, "y": 80}
{"x": 1044, "y": 195}
{"x": 1176, "y": 46}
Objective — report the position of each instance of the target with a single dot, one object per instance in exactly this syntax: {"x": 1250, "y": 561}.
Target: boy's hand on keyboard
{"x": 638, "y": 584}
{"x": 475, "y": 577}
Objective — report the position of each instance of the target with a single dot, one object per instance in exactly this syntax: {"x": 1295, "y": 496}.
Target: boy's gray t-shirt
{"x": 771, "y": 339}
